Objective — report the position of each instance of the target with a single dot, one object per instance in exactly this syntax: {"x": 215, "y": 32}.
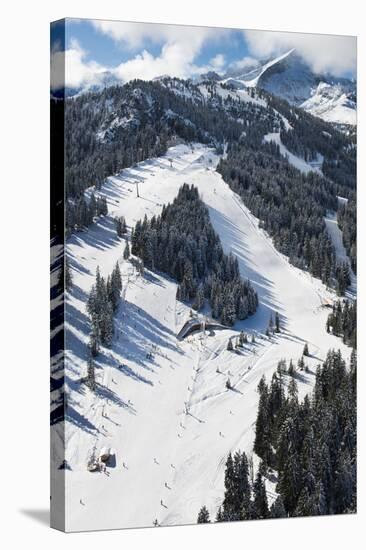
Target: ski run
{"x": 161, "y": 403}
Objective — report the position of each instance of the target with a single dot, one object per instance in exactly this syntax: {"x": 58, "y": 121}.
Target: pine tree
{"x": 289, "y": 483}
{"x": 260, "y": 498}
{"x": 126, "y": 252}
{"x": 270, "y": 324}
{"x": 68, "y": 275}
{"x": 262, "y": 445}
{"x": 203, "y": 515}
{"x": 301, "y": 363}
{"x": 199, "y": 299}
{"x": 277, "y": 322}
{"x": 90, "y": 378}
{"x": 94, "y": 341}
{"x": 219, "y": 515}
{"x": 291, "y": 369}
{"x": 293, "y": 390}
{"x": 230, "y": 346}
{"x": 230, "y": 511}
{"x": 278, "y": 509}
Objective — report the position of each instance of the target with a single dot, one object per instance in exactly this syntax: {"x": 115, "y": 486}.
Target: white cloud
{"x": 218, "y": 62}
{"x": 324, "y": 53}
{"x": 175, "y": 59}
{"x": 72, "y": 65}
{"x": 244, "y": 63}
{"x": 180, "y": 46}
{"x": 136, "y": 35}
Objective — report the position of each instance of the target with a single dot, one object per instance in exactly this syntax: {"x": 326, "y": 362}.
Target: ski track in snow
{"x": 169, "y": 418}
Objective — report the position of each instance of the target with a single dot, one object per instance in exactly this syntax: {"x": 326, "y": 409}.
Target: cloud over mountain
{"x": 323, "y": 52}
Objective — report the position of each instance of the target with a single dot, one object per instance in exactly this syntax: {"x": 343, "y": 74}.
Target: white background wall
{"x": 24, "y": 290}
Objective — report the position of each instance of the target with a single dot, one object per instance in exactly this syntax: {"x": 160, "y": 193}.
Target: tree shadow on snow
{"x": 106, "y": 393}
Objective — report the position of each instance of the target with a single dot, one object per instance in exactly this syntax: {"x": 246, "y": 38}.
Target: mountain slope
{"x": 162, "y": 468}
{"x": 332, "y": 103}
{"x": 290, "y": 77}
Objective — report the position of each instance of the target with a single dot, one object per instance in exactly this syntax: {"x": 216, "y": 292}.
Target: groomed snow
{"x": 296, "y": 161}
{"x": 169, "y": 463}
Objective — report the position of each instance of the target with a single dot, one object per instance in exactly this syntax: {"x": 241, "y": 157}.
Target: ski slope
{"x": 162, "y": 404}
{"x": 297, "y": 162}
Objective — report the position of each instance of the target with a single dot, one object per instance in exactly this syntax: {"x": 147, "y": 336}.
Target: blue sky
{"x": 107, "y": 51}
{"x": 141, "y": 50}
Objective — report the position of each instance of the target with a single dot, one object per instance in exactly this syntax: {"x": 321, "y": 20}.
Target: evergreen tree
{"x": 219, "y": 515}
{"x": 90, "y": 378}
{"x": 270, "y": 324}
{"x": 182, "y": 243}
{"x": 126, "y": 252}
{"x": 278, "y": 509}
{"x": 260, "y": 498}
{"x": 277, "y": 322}
{"x": 291, "y": 369}
{"x": 94, "y": 341}
{"x": 68, "y": 275}
{"x": 203, "y": 515}
{"x": 301, "y": 363}
{"x": 262, "y": 444}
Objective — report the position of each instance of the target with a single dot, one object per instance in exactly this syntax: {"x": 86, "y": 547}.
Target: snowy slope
{"x": 169, "y": 463}
{"x": 290, "y": 77}
{"x": 332, "y": 104}
{"x": 251, "y": 79}
{"x": 296, "y": 161}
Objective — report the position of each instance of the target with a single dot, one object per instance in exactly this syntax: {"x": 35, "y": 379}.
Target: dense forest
{"x": 182, "y": 243}
{"x": 103, "y": 302}
{"x": 122, "y": 125}
{"x": 290, "y": 205}
{"x": 81, "y": 212}
{"x": 310, "y": 137}
{"x": 115, "y": 128}
{"x": 342, "y": 322}
{"x": 311, "y": 445}
{"x": 347, "y": 221}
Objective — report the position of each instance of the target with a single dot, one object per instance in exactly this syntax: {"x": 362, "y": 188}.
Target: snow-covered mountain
{"x": 332, "y": 103}
{"x": 287, "y": 76}
{"x": 148, "y": 380}
{"x": 290, "y": 77}
{"x": 160, "y": 401}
